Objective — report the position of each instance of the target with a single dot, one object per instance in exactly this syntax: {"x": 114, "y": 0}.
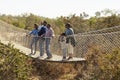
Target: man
{"x": 48, "y": 37}
{"x": 41, "y": 34}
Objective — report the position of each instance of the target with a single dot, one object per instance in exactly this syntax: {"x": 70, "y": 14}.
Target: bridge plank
{"x": 55, "y": 58}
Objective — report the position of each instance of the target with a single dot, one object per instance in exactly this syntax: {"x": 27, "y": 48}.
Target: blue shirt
{"x": 34, "y": 32}
{"x": 69, "y": 31}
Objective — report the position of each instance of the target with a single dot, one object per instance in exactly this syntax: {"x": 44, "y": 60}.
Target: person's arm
{"x": 29, "y": 34}
{"x": 52, "y": 33}
{"x": 59, "y": 38}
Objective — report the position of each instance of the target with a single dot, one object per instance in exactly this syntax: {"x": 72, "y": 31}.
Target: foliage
{"x": 13, "y": 64}
{"x": 100, "y": 65}
{"x": 80, "y": 23}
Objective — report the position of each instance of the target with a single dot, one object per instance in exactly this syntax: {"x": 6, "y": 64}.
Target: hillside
{"x": 17, "y": 66}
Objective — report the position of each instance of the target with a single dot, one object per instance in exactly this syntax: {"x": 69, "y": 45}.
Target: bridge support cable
{"x": 106, "y": 39}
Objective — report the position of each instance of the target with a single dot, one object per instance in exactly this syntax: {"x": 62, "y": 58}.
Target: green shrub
{"x": 100, "y": 65}
{"x": 14, "y": 65}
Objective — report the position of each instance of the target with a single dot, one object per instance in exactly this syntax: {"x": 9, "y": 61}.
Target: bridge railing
{"x": 84, "y": 41}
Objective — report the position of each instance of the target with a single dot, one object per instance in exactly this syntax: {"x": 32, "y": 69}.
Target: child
{"x": 62, "y": 40}
{"x": 34, "y": 34}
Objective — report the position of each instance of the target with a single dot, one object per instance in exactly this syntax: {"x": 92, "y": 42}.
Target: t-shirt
{"x": 70, "y": 36}
{"x": 69, "y": 31}
{"x": 34, "y": 32}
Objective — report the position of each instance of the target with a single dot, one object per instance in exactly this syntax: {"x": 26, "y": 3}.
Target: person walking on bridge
{"x": 63, "y": 45}
{"x": 34, "y": 35}
{"x": 70, "y": 40}
{"x": 41, "y": 34}
{"x": 48, "y": 37}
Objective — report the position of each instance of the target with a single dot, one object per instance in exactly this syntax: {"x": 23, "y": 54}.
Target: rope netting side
{"x": 107, "y": 39}
{"x": 105, "y": 30}
{"x": 105, "y": 42}
{"x": 12, "y": 34}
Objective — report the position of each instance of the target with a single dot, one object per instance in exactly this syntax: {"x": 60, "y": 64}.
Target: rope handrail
{"x": 104, "y": 30}
{"x": 109, "y": 33}
{"x": 107, "y": 39}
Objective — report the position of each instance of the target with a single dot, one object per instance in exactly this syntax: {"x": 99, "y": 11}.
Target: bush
{"x": 100, "y": 65}
{"x": 13, "y": 64}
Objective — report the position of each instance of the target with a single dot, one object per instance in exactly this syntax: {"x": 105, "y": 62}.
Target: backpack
{"x": 42, "y": 31}
{"x": 71, "y": 39}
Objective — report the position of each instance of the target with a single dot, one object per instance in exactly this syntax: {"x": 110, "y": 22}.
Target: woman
{"x": 34, "y": 34}
{"x": 70, "y": 40}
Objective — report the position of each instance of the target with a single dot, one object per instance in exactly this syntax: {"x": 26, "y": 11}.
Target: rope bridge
{"x": 107, "y": 39}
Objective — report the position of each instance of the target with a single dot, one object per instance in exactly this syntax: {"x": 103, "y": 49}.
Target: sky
{"x": 56, "y": 8}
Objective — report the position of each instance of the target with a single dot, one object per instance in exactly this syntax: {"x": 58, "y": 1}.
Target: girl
{"x": 62, "y": 41}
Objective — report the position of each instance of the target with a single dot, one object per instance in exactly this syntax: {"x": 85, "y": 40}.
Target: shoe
{"x": 34, "y": 53}
{"x": 30, "y": 54}
{"x": 49, "y": 57}
{"x": 64, "y": 59}
{"x": 70, "y": 58}
{"x": 41, "y": 57}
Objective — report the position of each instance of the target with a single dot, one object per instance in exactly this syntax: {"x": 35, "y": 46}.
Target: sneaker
{"x": 49, "y": 57}
{"x": 41, "y": 57}
{"x": 30, "y": 54}
{"x": 64, "y": 59}
{"x": 70, "y": 58}
{"x": 33, "y": 53}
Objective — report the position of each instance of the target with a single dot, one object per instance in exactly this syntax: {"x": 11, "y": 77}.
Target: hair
{"x": 36, "y": 26}
{"x": 62, "y": 34}
{"x": 45, "y": 22}
{"x": 48, "y": 25}
{"x": 68, "y": 25}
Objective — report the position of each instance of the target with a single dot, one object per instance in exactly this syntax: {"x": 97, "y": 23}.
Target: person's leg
{"x": 31, "y": 45}
{"x": 70, "y": 51}
{"x": 35, "y": 42}
{"x": 64, "y": 50}
{"x": 41, "y": 43}
{"x": 47, "y": 46}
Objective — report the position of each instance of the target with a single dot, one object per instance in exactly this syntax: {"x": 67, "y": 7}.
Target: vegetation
{"x": 102, "y": 19}
{"x": 100, "y": 65}
{"x": 14, "y": 65}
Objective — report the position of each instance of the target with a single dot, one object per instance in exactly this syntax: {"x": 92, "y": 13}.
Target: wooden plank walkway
{"x": 55, "y": 58}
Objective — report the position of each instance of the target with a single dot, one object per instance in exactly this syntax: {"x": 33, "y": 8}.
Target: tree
{"x": 97, "y": 14}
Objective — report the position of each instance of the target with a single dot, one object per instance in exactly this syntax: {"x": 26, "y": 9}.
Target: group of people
{"x": 44, "y": 34}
